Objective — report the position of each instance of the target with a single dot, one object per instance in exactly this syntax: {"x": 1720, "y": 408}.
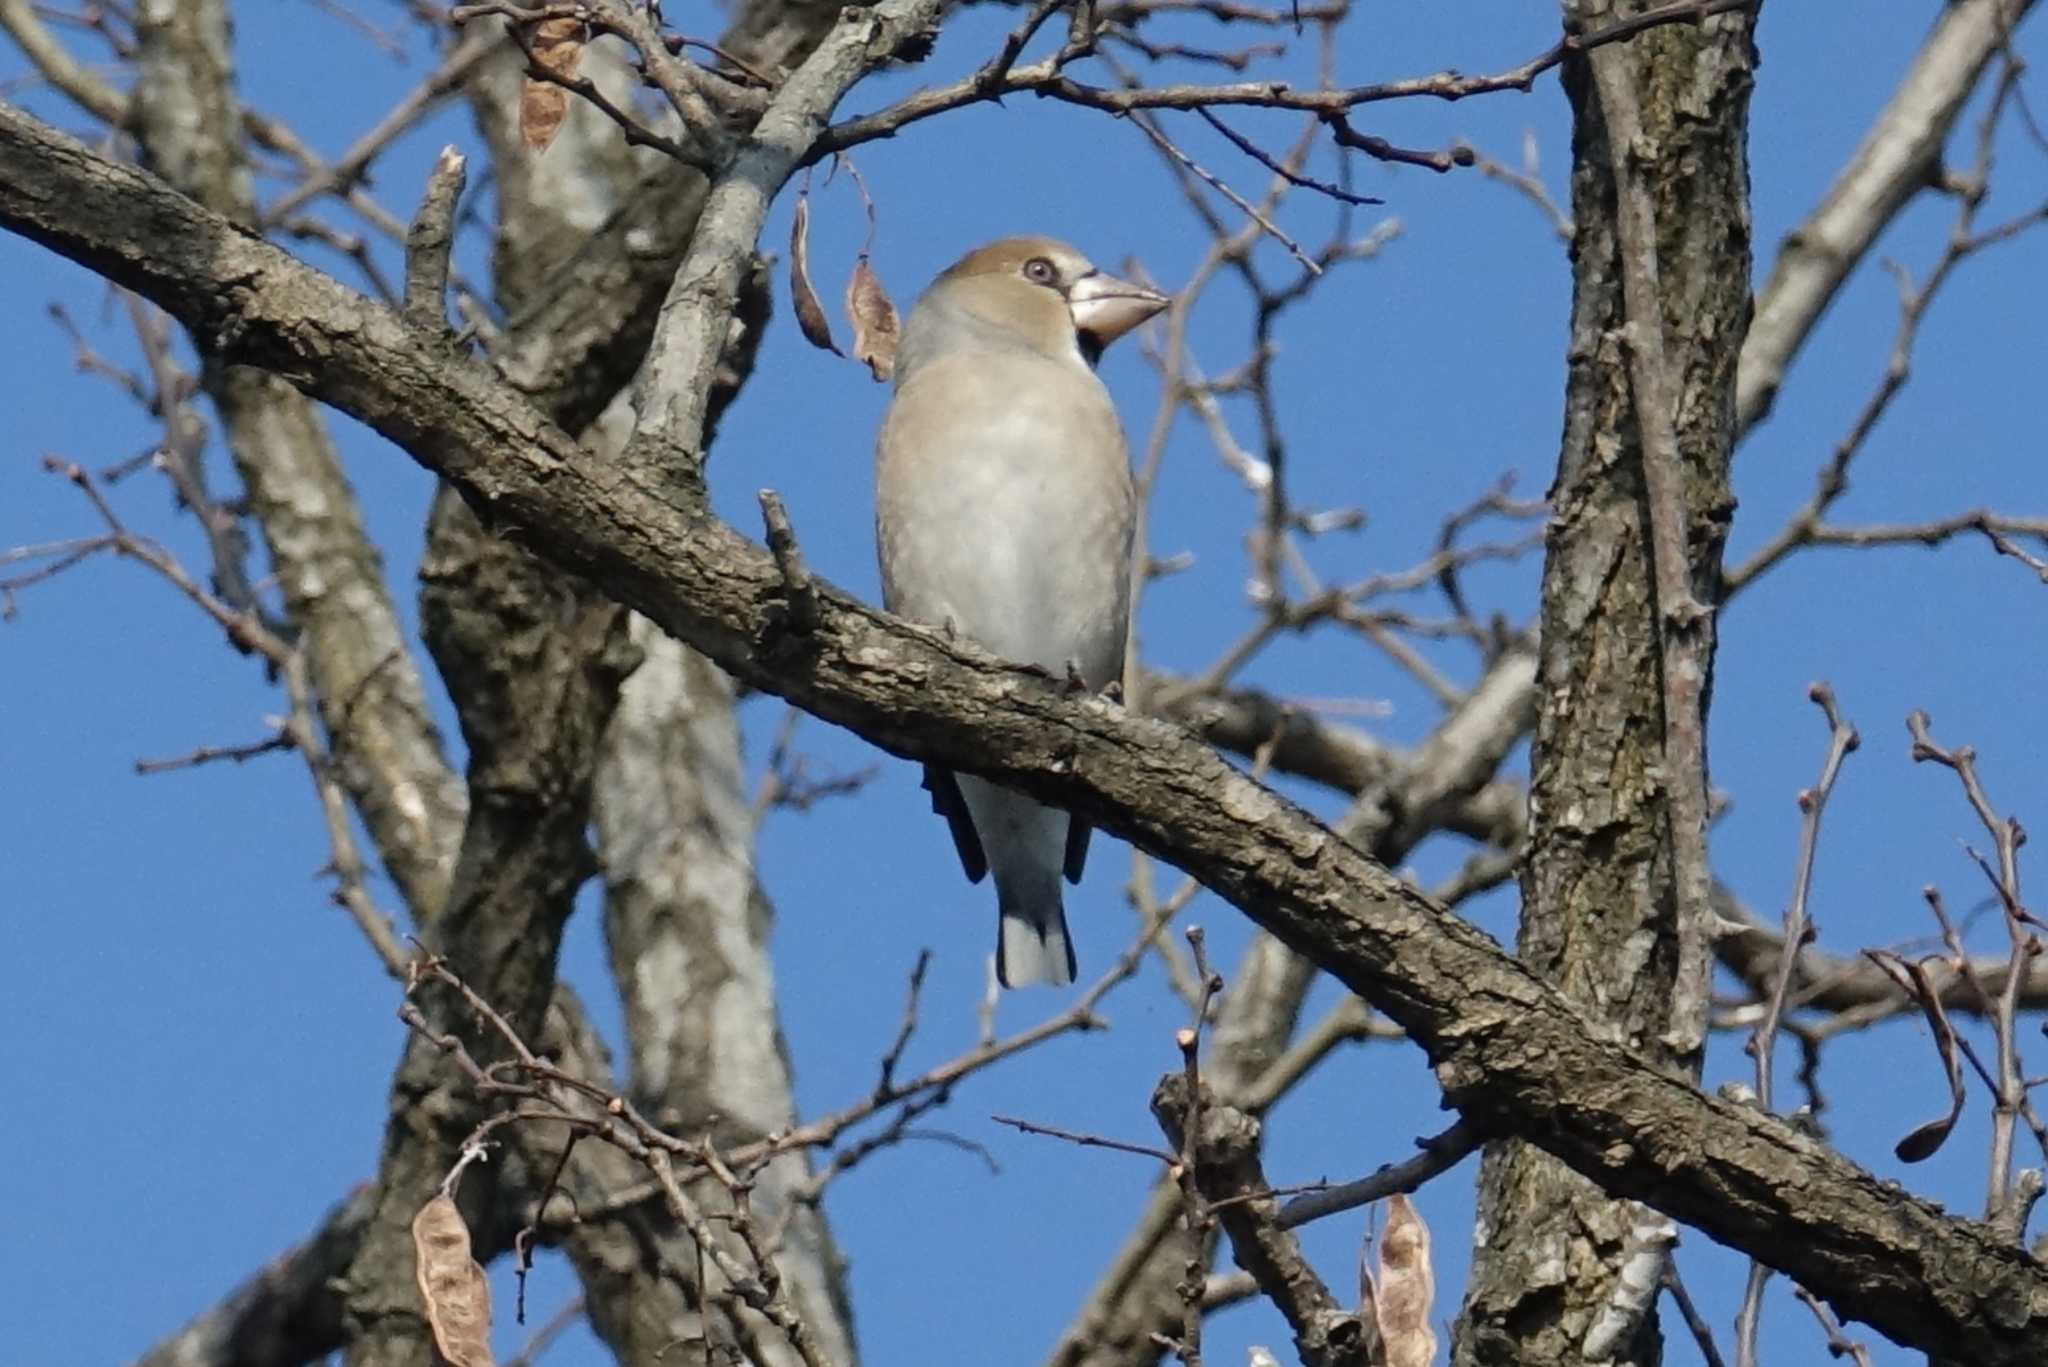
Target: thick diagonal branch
{"x": 1509, "y": 1051}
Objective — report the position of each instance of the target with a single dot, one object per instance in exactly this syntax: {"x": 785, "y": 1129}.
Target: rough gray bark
{"x": 686, "y": 921}
{"x": 1398, "y": 799}
{"x": 189, "y": 121}
{"x": 533, "y": 661}
{"x": 1601, "y": 914}
{"x": 1509, "y": 1050}
{"x": 532, "y": 675}
{"x": 689, "y": 927}
{"x": 584, "y": 324}
{"x": 633, "y": 1264}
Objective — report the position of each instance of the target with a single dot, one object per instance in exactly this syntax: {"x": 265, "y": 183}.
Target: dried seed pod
{"x": 876, "y": 328}
{"x": 810, "y": 313}
{"x": 1407, "y": 1288}
{"x": 556, "y": 44}
{"x": 457, "y": 1295}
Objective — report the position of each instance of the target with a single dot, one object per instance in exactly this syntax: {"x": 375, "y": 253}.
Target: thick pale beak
{"x": 1105, "y": 308}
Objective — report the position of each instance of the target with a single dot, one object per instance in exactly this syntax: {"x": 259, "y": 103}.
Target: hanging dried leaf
{"x": 1407, "y": 1288}
{"x": 542, "y": 107}
{"x": 876, "y": 329}
{"x": 1924, "y": 1141}
{"x": 810, "y": 313}
{"x": 457, "y": 1295}
{"x": 557, "y": 45}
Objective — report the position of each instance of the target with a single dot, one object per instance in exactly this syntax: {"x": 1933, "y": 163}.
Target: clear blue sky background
{"x": 196, "y": 1046}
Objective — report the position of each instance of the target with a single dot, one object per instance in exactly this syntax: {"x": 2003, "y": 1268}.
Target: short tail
{"x": 1031, "y": 943}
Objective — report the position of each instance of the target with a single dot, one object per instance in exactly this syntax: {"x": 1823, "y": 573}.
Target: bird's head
{"x": 1044, "y": 293}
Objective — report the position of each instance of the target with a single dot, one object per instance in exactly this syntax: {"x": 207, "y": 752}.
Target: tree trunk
{"x": 1605, "y": 915}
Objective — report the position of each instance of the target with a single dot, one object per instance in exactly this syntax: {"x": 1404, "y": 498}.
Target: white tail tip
{"x": 1034, "y": 949}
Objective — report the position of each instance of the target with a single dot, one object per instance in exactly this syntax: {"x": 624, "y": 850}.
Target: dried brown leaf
{"x": 1924, "y": 1141}
{"x": 810, "y": 313}
{"x": 457, "y": 1295}
{"x": 542, "y": 107}
{"x": 876, "y": 328}
{"x": 557, "y": 45}
{"x": 1407, "y": 1288}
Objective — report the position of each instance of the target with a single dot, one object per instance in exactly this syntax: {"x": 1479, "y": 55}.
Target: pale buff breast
{"x": 1004, "y": 504}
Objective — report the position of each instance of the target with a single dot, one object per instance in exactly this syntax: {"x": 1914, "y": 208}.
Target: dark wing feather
{"x": 947, "y": 802}
{"x": 1078, "y": 832}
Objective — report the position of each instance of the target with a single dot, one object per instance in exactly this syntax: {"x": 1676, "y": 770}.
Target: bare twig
{"x": 1087, "y": 1141}
{"x": 909, "y": 1025}
{"x": 354, "y": 163}
{"x": 1702, "y": 1334}
{"x": 1799, "y": 932}
{"x": 801, "y": 599}
{"x": 214, "y": 754}
{"x": 1047, "y": 78}
{"x": 1806, "y": 526}
{"x": 1150, "y": 128}
{"x": 543, "y": 1338}
{"x": 1530, "y": 186}
{"x": 429, "y": 241}
{"x": 248, "y": 633}
{"x": 1838, "y": 1344}
{"x": 1440, "y": 1153}
{"x": 2009, "y": 1092}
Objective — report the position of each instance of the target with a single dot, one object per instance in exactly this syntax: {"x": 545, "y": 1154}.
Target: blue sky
{"x": 198, "y": 1046}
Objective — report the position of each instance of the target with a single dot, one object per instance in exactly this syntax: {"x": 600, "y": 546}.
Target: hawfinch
{"x": 1004, "y": 514}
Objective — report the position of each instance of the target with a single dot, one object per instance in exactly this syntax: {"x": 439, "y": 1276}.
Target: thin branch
{"x": 1087, "y": 1141}
{"x": 1702, "y": 1334}
{"x": 1964, "y": 241}
{"x": 1440, "y": 1153}
{"x": 1149, "y": 127}
{"x": 1799, "y": 932}
{"x": 354, "y": 163}
{"x": 1899, "y": 157}
{"x": 1046, "y": 78}
{"x": 1502, "y": 1042}
{"x": 247, "y": 632}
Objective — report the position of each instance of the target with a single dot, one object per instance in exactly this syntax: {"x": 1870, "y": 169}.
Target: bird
{"x": 1004, "y": 514}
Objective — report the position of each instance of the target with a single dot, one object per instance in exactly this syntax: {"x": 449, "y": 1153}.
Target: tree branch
{"x": 1508, "y": 1050}
{"x": 1899, "y": 157}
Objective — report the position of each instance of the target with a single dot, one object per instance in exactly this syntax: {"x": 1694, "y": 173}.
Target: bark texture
{"x": 480, "y": 593}
{"x": 685, "y": 917}
{"x": 689, "y": 927}
{"x": 533, "y": 660}
{"x": 1398, "y": 798}
{"x": 1509, "y": 1049}
{"x": 188, "y": 117}
{"x": 1601, "y": 916}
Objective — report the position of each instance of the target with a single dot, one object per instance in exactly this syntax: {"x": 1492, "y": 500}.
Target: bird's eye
{"x": 1040, "y": 271}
